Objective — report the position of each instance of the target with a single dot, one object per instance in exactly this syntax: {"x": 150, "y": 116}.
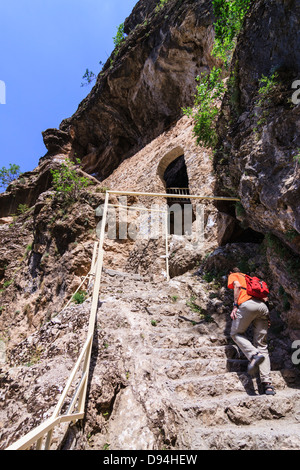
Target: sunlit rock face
{"x": 141, "y": 91}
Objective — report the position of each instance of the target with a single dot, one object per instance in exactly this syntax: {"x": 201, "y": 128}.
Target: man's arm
{"x": 236, "y": 293}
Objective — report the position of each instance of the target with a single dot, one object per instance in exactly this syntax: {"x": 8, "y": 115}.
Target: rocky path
{"x": 164, "y": 374}
{"x": 187, "y": 386}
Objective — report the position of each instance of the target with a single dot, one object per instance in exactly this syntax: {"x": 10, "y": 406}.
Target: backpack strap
{"x": 244, "y": 275}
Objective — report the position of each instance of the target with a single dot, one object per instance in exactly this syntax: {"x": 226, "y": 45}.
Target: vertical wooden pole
{"x": 93, "y": 265}
{"x": 48, "y": 440}
{"x": 167, "y": 246}
{"x": 94, "y": 306}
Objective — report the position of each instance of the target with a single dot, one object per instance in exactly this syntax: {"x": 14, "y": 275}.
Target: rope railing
{"x": 42, "y": 436}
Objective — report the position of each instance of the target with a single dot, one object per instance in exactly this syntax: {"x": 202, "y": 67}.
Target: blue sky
{"x": 45, "y": 48}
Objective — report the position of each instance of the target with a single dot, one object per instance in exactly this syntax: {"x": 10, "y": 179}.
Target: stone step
{"x": 280, "y": 435}
{"x": 220, "y": 384}
{"x": 187, "y": 353}
{"x": 182, "y": 339}
{"x": 194, "y": 368}
{"x": 242, "y": 409}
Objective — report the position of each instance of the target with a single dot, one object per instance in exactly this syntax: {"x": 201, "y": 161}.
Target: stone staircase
{"x": 196, "y": 378}
{"x": 222, "y": 408}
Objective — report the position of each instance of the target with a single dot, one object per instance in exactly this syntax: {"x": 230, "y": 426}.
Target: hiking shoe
{"x": 269, "y": 389}
{"x": 255, "y": 362}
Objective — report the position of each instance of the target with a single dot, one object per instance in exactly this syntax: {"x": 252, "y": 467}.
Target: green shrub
{"x": 8, "y": 283}
{"x": 297, "y": 156}
{"x": 160, "y": 5}
{"x": 79, "y": 297}
{"x": 267, "y": 86}
{"x": 22, "y": 208}
{"x": 119, "y": 37}
{"x": 88, "y": 78}
{"x": 211, "y": 88}
{"x": 230, "y": 16}
{"x": 66, "y": 181}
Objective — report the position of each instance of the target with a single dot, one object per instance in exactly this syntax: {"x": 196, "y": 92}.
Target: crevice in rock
{"x": 106, "y": 408}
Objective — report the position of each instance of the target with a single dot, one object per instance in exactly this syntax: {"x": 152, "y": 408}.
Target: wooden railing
{"x": 41, "y": 437}
{"x": 45, "y": 431}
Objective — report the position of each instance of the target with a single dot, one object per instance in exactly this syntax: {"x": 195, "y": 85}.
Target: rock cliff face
{"x": 259, "y": 150}
{"x": 260, "y": 141}
{"x": 141, "y": 90}
{"x": 165, "y": 374}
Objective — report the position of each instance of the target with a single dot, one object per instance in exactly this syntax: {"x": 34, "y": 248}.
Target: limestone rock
{"x": 164, "y": 375}
{"x": 257, "y": 158}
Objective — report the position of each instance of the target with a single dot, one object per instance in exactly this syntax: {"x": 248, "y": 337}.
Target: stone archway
{"x": 167, "y": 160}
{"x": 173, "y": 173}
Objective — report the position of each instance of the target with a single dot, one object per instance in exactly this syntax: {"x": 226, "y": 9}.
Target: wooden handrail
{"x": 37, "y": 435}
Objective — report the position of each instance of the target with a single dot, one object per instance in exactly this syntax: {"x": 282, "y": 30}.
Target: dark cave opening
{"x": 246, "y": 236}
{"x": 181, "y": 216}
{"x": 237, "y": 231}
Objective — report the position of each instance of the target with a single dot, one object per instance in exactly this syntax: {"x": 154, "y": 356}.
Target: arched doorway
{"x": 174, "y": 175}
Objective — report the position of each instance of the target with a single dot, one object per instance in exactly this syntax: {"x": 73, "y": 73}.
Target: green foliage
{"x": 239, "y": 209}
{"x": 193, "y": 306}
{"x": 160, "y": 5}
{"x": 230, "y": 16}
{"x": 297, "y": 156}
{"x": 67, "y": 183}
{"x": 8, "y": 175}
{"x": 79, "y": 297}
{"x": 8, "y": 283}
{"x": 102, "y": 189}
{"x": 22, "y": 208}
{"x": 88, "y": 78}
{"x": 291, "y": 235}
{"x": 119, "y": 37}
{"x": 28, "y": 248}
{"x": 267, "y": 86}
{"x": 211, "y": 88}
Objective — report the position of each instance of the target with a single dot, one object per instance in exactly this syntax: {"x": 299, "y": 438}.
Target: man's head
{"x": 233, "y": 270}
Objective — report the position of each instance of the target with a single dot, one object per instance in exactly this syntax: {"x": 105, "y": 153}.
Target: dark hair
{"x": 233, "y": 270}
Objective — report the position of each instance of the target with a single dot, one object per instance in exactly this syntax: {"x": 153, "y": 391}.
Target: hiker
{"x": 248, "y": 310}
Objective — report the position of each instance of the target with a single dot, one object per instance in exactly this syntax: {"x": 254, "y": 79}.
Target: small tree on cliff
{"x": 8, "y": 175}
{"x": 67, "y": 183}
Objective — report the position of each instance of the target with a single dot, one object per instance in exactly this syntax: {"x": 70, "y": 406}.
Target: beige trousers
{"x": 253, "y": 312}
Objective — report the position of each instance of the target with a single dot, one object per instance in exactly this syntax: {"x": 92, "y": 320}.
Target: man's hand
{"x": 233, "y": 315}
